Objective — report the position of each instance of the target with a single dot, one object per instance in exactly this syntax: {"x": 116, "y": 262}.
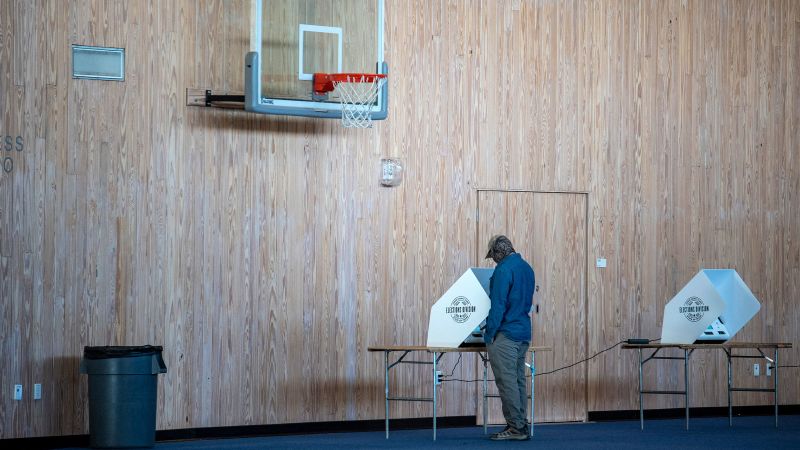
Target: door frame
{"x": 478, "y": 259}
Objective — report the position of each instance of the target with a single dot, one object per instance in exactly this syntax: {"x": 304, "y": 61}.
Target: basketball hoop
{"x": 357, "y": 93}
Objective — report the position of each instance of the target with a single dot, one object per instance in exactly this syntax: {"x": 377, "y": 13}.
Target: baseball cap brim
{"x": 492, "y": 241}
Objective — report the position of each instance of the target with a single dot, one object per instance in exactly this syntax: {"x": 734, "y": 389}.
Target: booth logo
{"x": 460, "y": 309}
{"x": 693, "y": 309}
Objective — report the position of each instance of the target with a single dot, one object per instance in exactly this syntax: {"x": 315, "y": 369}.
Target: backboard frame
{"x": 256, "y": 102}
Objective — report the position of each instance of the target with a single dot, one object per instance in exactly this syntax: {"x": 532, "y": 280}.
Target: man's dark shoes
{"x": 510, "y": 434}
{"x": 493, "y": 435}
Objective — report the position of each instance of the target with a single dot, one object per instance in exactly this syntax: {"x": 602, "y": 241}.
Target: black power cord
{"x": 581, "y": 361}
{"x": 628, "y": 341}
{"x": 456, "y": 365}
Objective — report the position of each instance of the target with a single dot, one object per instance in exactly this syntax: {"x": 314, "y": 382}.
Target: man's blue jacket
{"x": 511, "y": 292}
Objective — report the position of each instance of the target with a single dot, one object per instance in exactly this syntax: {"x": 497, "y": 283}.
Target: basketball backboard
{"x": 290, "y": 40}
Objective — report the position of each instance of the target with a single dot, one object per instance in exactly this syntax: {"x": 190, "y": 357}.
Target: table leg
{"x": 533, "y": 374}
{"x": 730, "y": 385}
{"x": 485, "y": 391}
{"x": 641, "y": 409}
{"x": 686, "y": 383}
{"x": 386, "y": 390}
{"x": 435, "y": 379}
{"x": 775, "y": 386}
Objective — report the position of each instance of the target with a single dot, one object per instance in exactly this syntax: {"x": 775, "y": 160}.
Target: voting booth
{"x": 711, "y": 308}
{"x": 458, "y": 314}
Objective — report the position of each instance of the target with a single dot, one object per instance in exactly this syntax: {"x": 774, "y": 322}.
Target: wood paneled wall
{"x": 261, "y": 252}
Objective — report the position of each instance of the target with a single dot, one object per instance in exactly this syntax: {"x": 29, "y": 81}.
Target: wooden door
{"x": 549, "y": 231}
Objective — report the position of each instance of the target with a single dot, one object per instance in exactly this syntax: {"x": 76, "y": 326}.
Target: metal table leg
{"x": 533, "y": 374}
{"x": 775, "y": 386}
{"x": 386, "y": 389}
{"x": 730, "y": 385}
{"x": 435, "y": 379}
{"x": 485, "y": 391}
{"x": 686, "y": 383}
{"x": 641, "y": 406}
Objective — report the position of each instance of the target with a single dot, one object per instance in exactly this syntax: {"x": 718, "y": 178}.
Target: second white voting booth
{"x": 712, "y": 307}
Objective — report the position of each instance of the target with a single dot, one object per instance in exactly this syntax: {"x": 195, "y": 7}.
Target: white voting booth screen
{"x": 712, "y": 307}
{"x": 460, "y": 310}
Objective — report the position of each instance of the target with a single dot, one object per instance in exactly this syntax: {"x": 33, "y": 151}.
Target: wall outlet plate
{"x": 756, "y": 370}
{"x": 37, "y": 391}
{"x": 17, "y": 392}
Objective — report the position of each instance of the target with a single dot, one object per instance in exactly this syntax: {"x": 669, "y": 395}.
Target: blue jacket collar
{"x": 508, "y": 258}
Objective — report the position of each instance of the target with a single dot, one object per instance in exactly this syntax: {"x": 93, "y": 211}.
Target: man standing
{"x": 508, "y": 333}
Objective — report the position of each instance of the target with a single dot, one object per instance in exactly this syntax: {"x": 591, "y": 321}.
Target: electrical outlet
{"x": 438, "y": 377}
{"x": 756, "y": 370}
{"x": 769, "y": 369}
{"x": 37, "y": 391}
{"x": 17, "y": 392}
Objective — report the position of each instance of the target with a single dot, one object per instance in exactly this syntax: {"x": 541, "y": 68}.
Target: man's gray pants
{"x": 507, "y": 358}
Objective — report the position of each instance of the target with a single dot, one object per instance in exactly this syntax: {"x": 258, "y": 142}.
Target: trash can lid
{"x": 120, "y": 351}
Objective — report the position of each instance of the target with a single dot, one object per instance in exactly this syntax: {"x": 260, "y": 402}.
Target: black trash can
{"x": 123, "y": 394}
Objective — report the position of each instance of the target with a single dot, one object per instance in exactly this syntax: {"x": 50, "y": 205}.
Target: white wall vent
{"x": 98, "y": 63}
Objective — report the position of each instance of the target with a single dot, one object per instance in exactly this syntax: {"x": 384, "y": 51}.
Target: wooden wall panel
{"x": 261, "y": 252}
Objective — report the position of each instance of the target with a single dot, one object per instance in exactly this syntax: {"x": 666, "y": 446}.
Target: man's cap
{"x": 499, "y": 244}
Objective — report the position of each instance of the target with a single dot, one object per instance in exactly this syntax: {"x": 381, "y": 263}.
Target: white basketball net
{"x": 358, "y": 95}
